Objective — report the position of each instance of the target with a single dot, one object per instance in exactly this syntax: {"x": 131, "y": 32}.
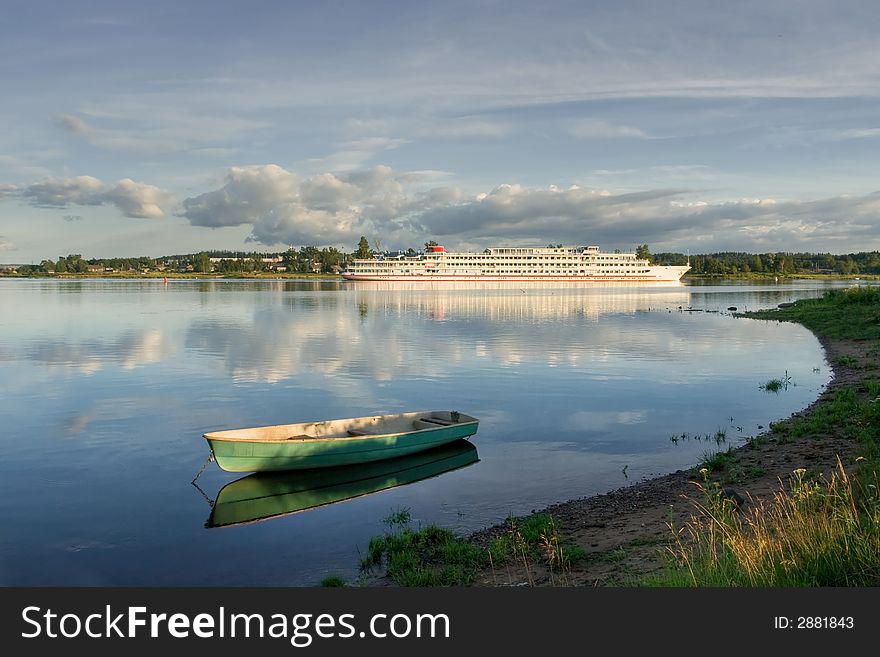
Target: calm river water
{"x": 108, "y": 386}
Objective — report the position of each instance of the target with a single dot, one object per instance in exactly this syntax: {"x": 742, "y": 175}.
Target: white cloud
{"x": 74, "y": 124}
{"x": 355, "y": 153}
{"x": 856, "y": 133}
{"x": 138, "y": 199}
{"x": 133, "y": 199}
{"x": 161, "y": 130}
{"x": 465, "y": 127}
{"x": 6, "y": 245}
{"x": 61, "y": 192}
{"x": 595, "y": 129}
{"x": 284, "y": 209}
{"x": 248, "y": 195}
{"x": 666, "y": 218}
{"x": 402, "y": 210}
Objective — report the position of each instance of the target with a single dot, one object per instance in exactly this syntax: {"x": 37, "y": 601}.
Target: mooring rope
{"x": 199, "y": 488}
{"x": 207, "y": 461}
{"x": 204, "y": 494}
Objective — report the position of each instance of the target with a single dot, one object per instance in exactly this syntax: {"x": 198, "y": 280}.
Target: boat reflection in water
{"x": 268, "y": 495}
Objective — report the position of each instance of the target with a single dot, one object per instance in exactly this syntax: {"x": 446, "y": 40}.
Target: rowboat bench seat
{"x": 430, "y": 423}
{"x": 436, "y": 420}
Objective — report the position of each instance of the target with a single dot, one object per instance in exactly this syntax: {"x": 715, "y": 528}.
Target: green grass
{"x": 815, "y": 533}
{"x": 433, "y": 556}
{"x": 717, "y": 461}
{"x": 852, "y": 313}
{"x": 333, "y": 581}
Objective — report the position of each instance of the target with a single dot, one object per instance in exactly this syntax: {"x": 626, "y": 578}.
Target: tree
{"x": 202, "y": 262}
{"x": 363, "y": 251}
{"x": 430, "y": 243}
{"x": 847, "y": 266}
{"x": 330, "y": 258}
{"x": 643, "y": 253}
{"x": 290, "y": 258}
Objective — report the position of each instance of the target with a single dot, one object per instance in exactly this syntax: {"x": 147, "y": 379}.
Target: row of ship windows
{"x": 395, "y": 265}
{"x": 447, "y": 256}
{"x": 508, "y": 271}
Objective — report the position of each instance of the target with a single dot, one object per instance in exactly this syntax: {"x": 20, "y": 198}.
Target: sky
{"x": 157, "y": 128}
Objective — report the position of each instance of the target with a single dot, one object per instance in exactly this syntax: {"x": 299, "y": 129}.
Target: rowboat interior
{"x": 377, "y": 425}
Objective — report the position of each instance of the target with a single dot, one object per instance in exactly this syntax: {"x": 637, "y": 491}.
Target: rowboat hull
{"x": 266, "y": 495}
{"x": 334, "y": 443}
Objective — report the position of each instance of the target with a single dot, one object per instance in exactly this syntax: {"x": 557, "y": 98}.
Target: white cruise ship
{"x": 557, "y": 264}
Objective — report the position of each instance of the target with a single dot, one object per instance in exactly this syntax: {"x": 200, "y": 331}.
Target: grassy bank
{"x": 796, "y": 506}
{"x": 818, "y": 529}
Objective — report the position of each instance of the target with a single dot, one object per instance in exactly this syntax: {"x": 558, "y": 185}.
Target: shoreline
{"x": 625, "y": 531}
{"x": 134, "y": 276}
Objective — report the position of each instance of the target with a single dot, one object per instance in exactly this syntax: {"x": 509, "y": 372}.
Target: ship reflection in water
{"x": 268, "y": 495}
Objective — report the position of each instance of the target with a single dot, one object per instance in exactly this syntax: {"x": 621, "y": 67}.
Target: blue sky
{"x": 170, "y": 127}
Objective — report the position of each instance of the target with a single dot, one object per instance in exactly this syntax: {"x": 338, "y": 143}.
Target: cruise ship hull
{"x": 559, "y": 264}
{"x": 672, "y": 276}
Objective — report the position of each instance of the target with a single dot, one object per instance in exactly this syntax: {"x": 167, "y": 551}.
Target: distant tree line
{"x": 308, "y": 259}
{"x": 731, "y": 263}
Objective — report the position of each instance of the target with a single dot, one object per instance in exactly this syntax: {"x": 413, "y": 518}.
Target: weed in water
{"x": 398, "y": 518}
{"x": 775, "y": 385}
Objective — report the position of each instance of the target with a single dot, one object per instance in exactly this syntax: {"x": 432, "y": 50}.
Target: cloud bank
{"x": 405, "y": 208}
{"x": 133, "y": 199}
{"x": 402, "y": 209}
{"x": 284, "y": 208}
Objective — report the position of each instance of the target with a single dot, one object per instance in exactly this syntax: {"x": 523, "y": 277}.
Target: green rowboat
{"x": 266, "y": 495}
{"x": 333, "y": 443}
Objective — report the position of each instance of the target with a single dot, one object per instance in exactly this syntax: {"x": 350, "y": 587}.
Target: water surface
{"x": 108, "y": 386}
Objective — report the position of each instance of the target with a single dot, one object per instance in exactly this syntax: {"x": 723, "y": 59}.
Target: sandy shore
{"x": 625, "y": 532}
